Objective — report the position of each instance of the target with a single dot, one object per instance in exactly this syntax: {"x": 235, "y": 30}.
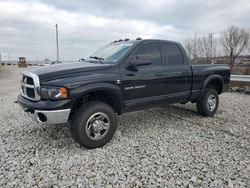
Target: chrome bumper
{"x": 51, "y": 117}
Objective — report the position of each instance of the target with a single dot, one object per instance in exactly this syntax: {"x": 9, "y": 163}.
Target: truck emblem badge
{"x": 118, "y": 81}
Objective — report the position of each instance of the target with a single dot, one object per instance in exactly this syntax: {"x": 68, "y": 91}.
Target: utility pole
{"x": 57, "y": 48}
{"x": 195, "y": 48}
{"x": 210, "y": 36}
{"x": 9, "y": 58}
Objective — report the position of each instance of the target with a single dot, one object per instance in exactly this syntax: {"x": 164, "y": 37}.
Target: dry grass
{"x": 245, "y": 70}
{"x": 239, "y": 84}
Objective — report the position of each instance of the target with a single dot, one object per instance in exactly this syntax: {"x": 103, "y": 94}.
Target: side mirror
{"x": 141, "y": 59}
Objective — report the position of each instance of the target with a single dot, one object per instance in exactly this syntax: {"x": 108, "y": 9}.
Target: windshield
{"x": 111, "y": 53}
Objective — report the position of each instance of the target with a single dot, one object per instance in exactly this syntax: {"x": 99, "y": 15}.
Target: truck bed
{"x": 203, "y": 73}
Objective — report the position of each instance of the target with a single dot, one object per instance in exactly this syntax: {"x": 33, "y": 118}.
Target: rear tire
{"x": 208, "y": 104}
{"x": 93, "y": 124}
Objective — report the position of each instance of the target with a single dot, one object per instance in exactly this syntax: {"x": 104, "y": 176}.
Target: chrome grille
{"x": 31, "y": 86}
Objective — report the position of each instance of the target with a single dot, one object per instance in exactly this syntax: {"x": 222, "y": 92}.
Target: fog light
{"x": 42, "y": 117}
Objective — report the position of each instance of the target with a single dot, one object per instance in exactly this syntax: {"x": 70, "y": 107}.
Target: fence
{"x": 240, "y": 78}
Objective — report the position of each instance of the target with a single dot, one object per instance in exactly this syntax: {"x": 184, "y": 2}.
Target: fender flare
{"x": 80, "y": 91}
{"x": 211, "y": 78}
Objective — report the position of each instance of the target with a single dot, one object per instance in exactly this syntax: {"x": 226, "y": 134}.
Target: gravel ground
{"x": 168, "y": 146}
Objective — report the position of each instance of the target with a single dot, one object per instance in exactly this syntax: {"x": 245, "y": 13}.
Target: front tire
{"x": 208, "y": 104}
{"x": 93, "y": 124}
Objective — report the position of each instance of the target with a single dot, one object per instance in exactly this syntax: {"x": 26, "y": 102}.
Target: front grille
{"x": 30, "y": 81}
{"x": 30, "y": 86}
{"x": 30, "y": 92}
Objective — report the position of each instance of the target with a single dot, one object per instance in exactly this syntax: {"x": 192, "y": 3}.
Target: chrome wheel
{"x": 97, "y": 126}
{"x": 211, "y": 103}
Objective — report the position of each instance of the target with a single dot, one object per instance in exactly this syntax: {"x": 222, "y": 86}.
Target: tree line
{"x": 231, "y": 43}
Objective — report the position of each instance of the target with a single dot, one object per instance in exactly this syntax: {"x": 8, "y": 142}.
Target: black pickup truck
{"x": 125, "y": 75}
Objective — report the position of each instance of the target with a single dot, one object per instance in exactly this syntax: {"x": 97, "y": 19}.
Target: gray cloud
{"x": 164, "y": 12}
{"x": 27, "y": 27}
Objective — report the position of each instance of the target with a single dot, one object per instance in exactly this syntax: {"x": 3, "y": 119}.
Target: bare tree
{"x": 188, "y": 47}
{"x": 205, "y": 47}
{"x": 217, "y": 48}
{"x": 193, "y": 49}
{"x": 248, "y": 45}
{"x": 234, "y": 40}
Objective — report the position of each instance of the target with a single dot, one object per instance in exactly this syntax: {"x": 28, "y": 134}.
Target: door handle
{"x": 186, "y": 72}
{"x": 160, "y": 74}
{"x": 130, "y": 74}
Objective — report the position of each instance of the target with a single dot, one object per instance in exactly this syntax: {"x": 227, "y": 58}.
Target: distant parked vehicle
{"x": 81, "y": 60}
{"x": 46, "y": 64}
{"x": 52, "y": 63}
{"x": 22, "y": 62}
{"x": 55, "y": 62}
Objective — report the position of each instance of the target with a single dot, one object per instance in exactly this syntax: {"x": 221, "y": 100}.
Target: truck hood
{"x": 54, "y": 71}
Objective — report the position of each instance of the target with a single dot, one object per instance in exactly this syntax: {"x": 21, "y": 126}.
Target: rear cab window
{"x": 172, "y": 54}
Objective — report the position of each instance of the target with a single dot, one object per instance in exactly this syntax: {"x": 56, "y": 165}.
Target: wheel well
{"x": 216, "y": 84}
{"x": 104, "y": 96}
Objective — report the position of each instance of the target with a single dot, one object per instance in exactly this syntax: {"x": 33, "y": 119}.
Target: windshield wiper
{"x": 97, "y": 58}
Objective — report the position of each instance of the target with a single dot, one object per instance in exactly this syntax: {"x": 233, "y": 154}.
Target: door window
{"x": 173, "y": 54}
{"x": 152, "y": 49}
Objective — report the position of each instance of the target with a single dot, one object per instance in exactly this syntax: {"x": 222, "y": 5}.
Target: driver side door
{"x": 144, "y": 82}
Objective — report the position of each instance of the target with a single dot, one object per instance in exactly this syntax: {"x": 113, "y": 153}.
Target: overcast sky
{"x": 27, "y": 28}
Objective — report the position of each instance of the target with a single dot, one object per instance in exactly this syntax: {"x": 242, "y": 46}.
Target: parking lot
{"x": 168, "y": 146}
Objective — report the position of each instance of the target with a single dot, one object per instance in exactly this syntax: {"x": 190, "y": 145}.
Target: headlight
{"x": 54, "y": 93}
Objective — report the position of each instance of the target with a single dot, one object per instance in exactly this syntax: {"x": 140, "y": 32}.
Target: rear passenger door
{"x": 178, "y": 73}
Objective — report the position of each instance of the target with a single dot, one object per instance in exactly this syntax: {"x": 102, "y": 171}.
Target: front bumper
{"x": 51, "y": 117}
{"x": 49, "y": 112}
